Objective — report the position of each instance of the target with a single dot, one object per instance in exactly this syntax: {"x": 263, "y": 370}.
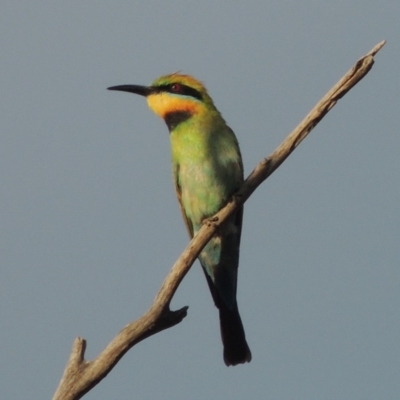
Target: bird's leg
{"x": 210, "y": 221}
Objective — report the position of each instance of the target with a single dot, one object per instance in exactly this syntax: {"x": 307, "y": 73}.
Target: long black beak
{"x": 137, "y": 89}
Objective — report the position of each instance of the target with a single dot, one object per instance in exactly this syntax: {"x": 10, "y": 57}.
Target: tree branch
{"x": 80, "y": 375}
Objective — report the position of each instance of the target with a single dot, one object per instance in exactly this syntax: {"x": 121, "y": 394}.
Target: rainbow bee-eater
{"x": 207, "y": 171}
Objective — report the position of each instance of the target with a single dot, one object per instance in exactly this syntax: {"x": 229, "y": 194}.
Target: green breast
{"x": 207, "y": 167}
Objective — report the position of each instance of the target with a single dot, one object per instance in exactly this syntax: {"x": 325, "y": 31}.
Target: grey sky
{"x": 91, "y": 226}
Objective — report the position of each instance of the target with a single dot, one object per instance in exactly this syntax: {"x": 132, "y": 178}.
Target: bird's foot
{"x": 210, "y": 221}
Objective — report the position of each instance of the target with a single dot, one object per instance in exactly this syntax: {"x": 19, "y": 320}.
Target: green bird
{"x": 207, "y": 170}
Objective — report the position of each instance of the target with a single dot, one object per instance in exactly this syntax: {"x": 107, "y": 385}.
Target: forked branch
{"x": 80, "y": 375}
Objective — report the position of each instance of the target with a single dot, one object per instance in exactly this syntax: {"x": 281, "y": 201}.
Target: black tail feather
{"x": 236, "y": 350}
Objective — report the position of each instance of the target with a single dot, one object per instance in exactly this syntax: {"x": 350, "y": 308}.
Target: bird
{"x": 207, "y": 170}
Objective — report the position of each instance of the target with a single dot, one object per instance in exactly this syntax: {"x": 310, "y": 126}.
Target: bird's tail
{"x": 236, "y": 349}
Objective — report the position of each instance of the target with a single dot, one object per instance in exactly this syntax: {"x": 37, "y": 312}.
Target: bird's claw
{"x": 210, "y": 221}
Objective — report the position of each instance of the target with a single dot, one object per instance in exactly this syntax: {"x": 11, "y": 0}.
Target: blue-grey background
{"x": 90, "y": 225}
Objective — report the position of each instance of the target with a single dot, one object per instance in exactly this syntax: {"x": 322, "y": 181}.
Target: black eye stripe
{"x": 179, "y": 88}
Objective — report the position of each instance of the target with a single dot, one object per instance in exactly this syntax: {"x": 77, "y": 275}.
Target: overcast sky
{"x": 90, "y": 225}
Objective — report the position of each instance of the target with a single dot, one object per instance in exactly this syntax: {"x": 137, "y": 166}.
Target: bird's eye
{"x": 176, "y": 88}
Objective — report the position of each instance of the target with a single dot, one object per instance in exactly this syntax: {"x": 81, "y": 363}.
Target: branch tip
{"x": 376, "y": 48}
{"x": 180, "y": 314}
{"x": 78, "y": 350}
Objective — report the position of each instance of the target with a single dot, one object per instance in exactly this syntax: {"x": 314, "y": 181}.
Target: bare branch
{"x": 80, "y": 376}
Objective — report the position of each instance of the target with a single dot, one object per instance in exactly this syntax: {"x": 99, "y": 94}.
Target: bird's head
{"x": 175, "y": 97}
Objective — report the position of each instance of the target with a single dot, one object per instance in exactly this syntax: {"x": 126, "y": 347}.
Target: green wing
{"x": 178, "y": 190}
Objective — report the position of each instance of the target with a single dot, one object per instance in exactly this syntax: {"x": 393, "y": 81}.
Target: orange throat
{"x": 163, "y": 104}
